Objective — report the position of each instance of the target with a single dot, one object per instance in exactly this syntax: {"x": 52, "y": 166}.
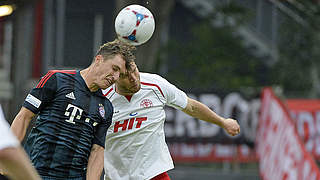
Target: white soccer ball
{"x": 134, "y": 24}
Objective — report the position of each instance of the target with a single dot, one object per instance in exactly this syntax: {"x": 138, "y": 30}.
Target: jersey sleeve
{"x": 175, "y": 97}
{"x": 101, "y": 129}
{"x": 42, "y": 94}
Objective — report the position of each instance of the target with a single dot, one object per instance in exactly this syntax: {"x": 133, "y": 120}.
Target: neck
{"x": 85, "y": 74}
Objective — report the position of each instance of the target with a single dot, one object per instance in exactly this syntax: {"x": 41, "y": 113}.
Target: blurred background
{"x": 222, "y": 53}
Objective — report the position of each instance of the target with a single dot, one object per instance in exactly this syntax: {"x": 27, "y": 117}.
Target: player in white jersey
{"x": 13, "y": 160}
{"x": 135, "y": 146}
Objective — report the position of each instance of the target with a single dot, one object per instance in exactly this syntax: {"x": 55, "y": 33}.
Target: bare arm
{"x": 200, "y": 111}
{"x": 17, "y": 165}
{"x": 21, "y": 122}
{"x": 95, "y": 164}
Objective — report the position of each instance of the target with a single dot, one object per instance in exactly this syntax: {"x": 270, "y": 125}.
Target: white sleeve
{"x": 7, "y": 138}
{"x": 175, "y": 97}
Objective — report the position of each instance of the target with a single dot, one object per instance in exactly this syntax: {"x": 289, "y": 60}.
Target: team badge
{"x": 101, "y": 110}
{"x": 146, "y": 103}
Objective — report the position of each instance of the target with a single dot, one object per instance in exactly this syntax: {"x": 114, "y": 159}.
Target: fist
{"x": 231, "y": 126}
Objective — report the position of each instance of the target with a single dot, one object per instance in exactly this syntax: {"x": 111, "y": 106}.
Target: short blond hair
{"x": 113, "y": 48}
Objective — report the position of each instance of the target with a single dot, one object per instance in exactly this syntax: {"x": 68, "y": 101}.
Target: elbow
{"x": 191, "y": 107}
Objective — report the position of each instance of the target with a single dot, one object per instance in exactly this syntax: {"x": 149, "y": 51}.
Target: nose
{"x": 132, "y": 78}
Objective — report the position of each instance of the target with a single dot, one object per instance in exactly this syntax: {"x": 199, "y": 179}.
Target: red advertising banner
{"x": 281, "y": 153}
{"x": 306, "y": 115}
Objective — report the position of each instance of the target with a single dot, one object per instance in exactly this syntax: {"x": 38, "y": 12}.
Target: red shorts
{"x": 162, "y": 176}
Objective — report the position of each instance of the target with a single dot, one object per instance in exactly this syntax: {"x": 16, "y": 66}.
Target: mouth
{"x": 135, "y": 86}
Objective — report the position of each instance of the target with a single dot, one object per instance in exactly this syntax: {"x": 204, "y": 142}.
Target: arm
{"x": 95, "y": 164}
{"x": 17, "y": 165}
{"x": 21, "y": 122}
{"x": 200, "y": 111}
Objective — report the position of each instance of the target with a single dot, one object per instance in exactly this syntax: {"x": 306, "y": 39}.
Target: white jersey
{"x": 7, "y": 138}
{"x": 135, "y": 146}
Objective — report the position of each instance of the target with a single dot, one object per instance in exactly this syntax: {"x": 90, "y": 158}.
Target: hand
{"x": 231, "y": 126}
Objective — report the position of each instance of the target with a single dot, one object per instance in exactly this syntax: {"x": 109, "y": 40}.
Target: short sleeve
{"x": 7, "y": 138}
{"x": 101, "y": 129}
{"x": 175, "y": 97}
{"x": 42, "y": 94}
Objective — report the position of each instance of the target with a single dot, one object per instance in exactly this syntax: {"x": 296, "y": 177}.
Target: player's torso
{"x": 65, "y": 128}
{"x": 74, "y": 106}
{"x": 143, "y": 112}
{"x": 136, "y": 136}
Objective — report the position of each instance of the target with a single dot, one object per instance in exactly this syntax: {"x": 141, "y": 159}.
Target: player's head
{"x": 117, "y": 47}
{"x": 112, "y": 59}
{"x": 129, "y": 83}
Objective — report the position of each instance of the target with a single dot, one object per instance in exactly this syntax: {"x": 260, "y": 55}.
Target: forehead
{"x": 117, "y": 60}
{"x": 132, "y": 69}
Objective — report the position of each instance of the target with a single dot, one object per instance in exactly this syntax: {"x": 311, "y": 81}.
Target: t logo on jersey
{"x": 128, "y": 124}
{"x": 75, "y": 113}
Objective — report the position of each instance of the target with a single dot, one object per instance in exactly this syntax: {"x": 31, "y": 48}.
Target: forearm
{"x": 198, "y": 110}
{"x": 19, "y": 129}
{"x": 203, "y": 112}
{"x": 95, "y": 163}
{"x": 17, "y": 165}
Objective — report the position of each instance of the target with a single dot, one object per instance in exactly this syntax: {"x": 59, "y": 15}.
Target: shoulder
{"x": 153, "y": 81}
{"x": 52, "y": 77}
{"x": 64, "y": 77}
{"x": 58, "y": 74}
{"x": 62, "y": 73}
{"x": 149, "y": 77}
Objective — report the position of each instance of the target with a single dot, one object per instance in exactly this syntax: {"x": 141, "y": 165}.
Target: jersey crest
{"x": 146, "y": 103}
{"x": 101, "y": 110}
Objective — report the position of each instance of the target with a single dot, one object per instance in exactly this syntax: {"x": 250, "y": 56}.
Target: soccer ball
{"x": 134, "y": 24}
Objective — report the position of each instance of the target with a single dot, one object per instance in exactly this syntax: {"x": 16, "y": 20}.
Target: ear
{"x": 98, "y": 59}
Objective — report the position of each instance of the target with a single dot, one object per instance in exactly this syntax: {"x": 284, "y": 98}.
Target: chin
{"x": 105, "y": 86}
